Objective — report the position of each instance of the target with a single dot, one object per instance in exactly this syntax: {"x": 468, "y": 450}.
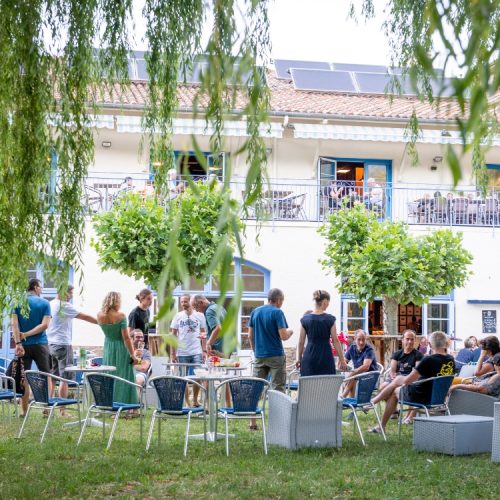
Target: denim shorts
{"x": 194, "y": 358}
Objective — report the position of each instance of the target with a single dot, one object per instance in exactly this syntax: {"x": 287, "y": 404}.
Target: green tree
{"x": 376, "y": 259}
{"x": 134, "y": 238}
{"x": 53, "y": 81}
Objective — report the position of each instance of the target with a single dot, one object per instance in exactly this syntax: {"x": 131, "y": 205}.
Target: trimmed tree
{"x": 134, "y": 238}
{"x": 376, "y": 259}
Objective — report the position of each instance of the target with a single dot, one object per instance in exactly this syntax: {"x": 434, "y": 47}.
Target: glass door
{"x": 354, "y": 317}
{"x": 327, "y": 172}
{"x": 377, "y": 186}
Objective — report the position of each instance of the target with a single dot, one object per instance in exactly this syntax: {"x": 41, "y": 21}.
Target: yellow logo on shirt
{"x": 446, "y": 369}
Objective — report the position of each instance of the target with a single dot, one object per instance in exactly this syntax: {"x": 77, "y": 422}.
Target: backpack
{"x": 16, "y": 371}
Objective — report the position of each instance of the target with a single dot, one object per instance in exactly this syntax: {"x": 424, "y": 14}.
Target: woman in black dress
{"x": 318, "y": 326}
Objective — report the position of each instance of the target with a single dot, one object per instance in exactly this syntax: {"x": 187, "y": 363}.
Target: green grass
{"x": 57, "y": 469}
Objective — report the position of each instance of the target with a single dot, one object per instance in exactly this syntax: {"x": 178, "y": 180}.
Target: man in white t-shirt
{"x": 60, "y": 333}
{"x": 189, "y": 327}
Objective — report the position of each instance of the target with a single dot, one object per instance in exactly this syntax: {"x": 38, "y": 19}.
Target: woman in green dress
{"x": 118, "y": 347}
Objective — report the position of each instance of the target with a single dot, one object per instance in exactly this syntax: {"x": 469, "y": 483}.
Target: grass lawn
{"x": 57, "y": 469}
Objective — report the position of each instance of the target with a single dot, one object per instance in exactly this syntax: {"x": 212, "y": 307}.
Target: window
{"x": 438, "y": 318}
{"x": 354, "y": 317}
{"x": 256, "y": 284}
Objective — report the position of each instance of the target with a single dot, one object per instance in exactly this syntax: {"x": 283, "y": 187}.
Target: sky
{"x": 319, "y": 30}
{"x": 314, "y": 30}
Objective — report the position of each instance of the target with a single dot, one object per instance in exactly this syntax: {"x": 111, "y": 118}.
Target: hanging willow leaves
{"x": 464, "y": 34}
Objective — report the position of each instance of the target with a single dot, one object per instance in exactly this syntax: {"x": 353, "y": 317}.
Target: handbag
{"x": 16, "y": 371}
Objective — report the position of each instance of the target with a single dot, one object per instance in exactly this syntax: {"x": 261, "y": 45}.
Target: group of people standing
{"x": 44, "y": 335}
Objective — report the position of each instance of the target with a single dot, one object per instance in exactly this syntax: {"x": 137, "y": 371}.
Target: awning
{"x": 186, "y": 126}
{"x": 377, "y": 134}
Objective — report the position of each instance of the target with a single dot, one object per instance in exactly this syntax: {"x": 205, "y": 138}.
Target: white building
{"x": 315, "y": 136}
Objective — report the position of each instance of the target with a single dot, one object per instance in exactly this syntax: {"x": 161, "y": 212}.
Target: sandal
{"x": 407, "y": 421}
{"x": 253, "y": 427}
{"x": 375, "y": 430}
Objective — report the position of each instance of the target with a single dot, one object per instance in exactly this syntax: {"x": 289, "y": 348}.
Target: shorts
{"x": 39, "y": 353}
{"x": 194, "y": 358}
{"x": 61, "y": 356}
{"x": 144, "y": 377}
{"x": 410, "y": 394}
{"x": 274, "y": 367}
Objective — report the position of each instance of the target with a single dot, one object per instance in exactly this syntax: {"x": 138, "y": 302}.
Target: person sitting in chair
{"x": 363, "y": 358}
{"x": 489, "y": 386}
{"x": 435, "y": 365}
{"x": 142, "y": 354}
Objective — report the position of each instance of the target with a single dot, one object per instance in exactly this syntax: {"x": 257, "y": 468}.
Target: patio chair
{"x": 102, "y": 386}
{"x": 367, "y": 382}
{"x": 439, "y": 392}
{"x": 460, "y": 211}
{"x": 39, "y": 384}
{"x": 491, "y": 214}
{"x": 292, "y": 381}
{"x": 170, "y": 390}
{"x": 471, "y": 403}
{"x": 8, "y": 393}
{"x": 312, "y": 420}
{"x": 96, "y": 361}
{"x": 4, "y": 363}
{"x": 246, "y": 392}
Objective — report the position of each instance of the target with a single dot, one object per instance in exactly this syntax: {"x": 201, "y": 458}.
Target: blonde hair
{"x": 112, "y": 301}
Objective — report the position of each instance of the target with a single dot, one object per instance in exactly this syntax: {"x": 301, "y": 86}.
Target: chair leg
{"x": 21, "y": 430}
{"x": 186, "y": 438}
{"x": 264, "y": 437}
{"x": 159, "y": 431}
{"x": 356, "y": 420}
{"x": 400, "y": 419}
{"x": 379, "y": 422}
{"x": 227, "y": 435}
{"x": 84, "y": 426}
{"x": 115, "y": 423}
{"x": 49, "y": 419}
{"x": 151, "y": 429}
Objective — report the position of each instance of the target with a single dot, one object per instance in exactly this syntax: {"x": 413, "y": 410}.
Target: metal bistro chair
{"x": 4, "y": 363}
{"x": 171, "y": 390}
{"x": 102, "y": 386}
{"x": 292, "y": 381}
{"x": 438, "y": 402}
{"x": 8, "y": 393}
{"x": 367, "y": 382}
{"x": 246, "y": 392}
{"x": 39, "y": 384}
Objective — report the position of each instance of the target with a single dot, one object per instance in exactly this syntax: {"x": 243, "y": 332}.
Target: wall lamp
{"x": 106, "y": 144}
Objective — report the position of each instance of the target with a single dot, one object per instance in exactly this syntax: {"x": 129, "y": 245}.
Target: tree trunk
{"x": 390, "y": 316}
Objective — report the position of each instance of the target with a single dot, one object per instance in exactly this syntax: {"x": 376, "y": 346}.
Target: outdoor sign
{"x": 489, "y": 321}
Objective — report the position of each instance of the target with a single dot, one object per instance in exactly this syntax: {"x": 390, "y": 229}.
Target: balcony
{"x": 305, "y": 201}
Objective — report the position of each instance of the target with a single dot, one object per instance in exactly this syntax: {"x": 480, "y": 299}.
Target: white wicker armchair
{"x": 471, "y": 403}
{"x": 313, "y": 419}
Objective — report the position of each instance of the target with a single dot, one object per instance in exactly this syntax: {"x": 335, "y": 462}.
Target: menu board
{"x": 489, "y": 321}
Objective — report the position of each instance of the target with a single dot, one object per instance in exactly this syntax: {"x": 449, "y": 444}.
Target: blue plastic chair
{"x": 97, "y": 361}
{"x": 367, "y": 383}
{"x": 246, "y": 393}
{"x": 171, "y": 390}
{"x": 39, "y": 384}
{"x": 102, "y": 386}
{"x": 438, "y": 401}
{"x": 4, "y": 363}
{"x": 8, "y": 393}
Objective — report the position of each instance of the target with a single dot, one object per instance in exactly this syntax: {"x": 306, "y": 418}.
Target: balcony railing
{"x": 306, "y": 201}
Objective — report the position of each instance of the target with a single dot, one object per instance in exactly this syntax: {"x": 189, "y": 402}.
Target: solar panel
{"x": 142, "y": 73}
{"x": 283, "y": 66}
{"x": 365, "y": 68}
{"x": 321, "y": 80}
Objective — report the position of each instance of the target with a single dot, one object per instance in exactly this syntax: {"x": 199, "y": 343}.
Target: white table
{"x": 211, "y": 378}
{"x": 86, "y": 393}
{"x": 181, "y": 369}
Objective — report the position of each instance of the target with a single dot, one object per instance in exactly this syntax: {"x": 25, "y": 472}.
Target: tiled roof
{"x": 286, "y": 99}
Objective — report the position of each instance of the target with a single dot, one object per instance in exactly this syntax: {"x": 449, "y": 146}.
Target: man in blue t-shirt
{"x": 363, "y": 358}
{"x": 29, "y": 333}
{"x": 267, "y": 329}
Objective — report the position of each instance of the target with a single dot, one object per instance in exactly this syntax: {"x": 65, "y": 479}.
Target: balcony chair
{"x": 171, "y": 390}
{"x": 102, "y": 386}
{"x": 39, "y": 384}
{"x": 460, "y": 211}
{"x": 439, "y": 392}
{"x": 491, "y": 212}
{"x": 246, "y": 393}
